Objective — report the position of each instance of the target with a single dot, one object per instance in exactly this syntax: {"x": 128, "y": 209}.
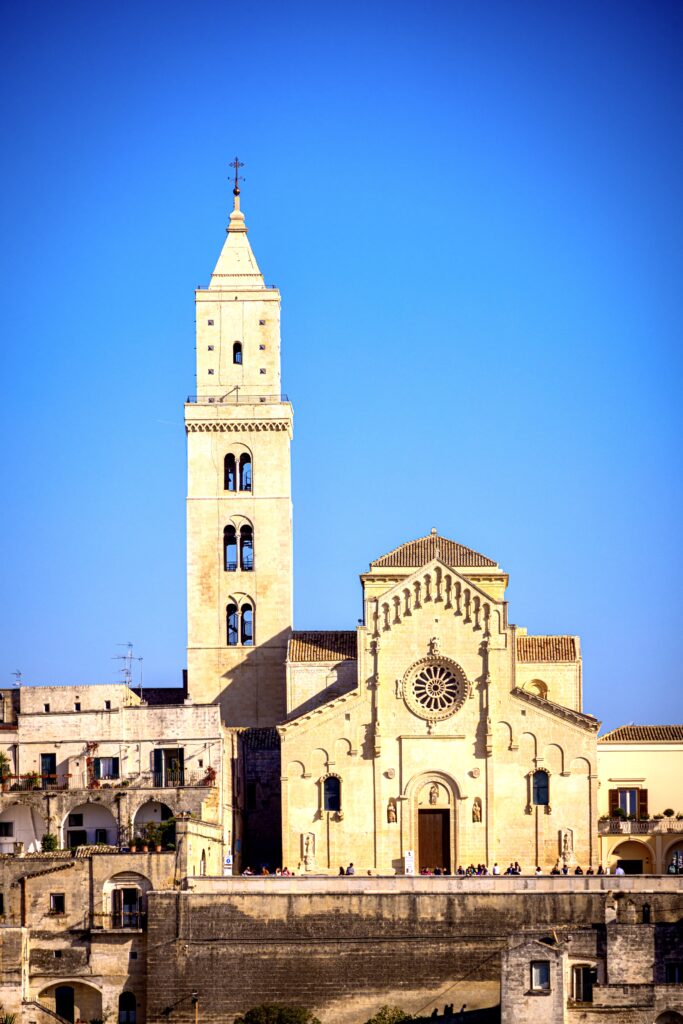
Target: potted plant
{"x": 153, "y": 836}
{"x": 32, "y": 780}
{"x": 49, "y": 842}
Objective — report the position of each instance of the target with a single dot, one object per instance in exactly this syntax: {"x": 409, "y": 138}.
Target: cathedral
{"x": 436, "y": 734}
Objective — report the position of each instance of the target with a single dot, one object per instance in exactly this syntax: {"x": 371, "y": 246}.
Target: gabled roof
{"x": 424, "y": 549}
{"x": 546, "y": 648}
{"x": 644, "y": 734}
{"x": 323, "y": 645}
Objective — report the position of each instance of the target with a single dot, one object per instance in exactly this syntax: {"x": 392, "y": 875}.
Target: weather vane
{"x": 237, "y": 163}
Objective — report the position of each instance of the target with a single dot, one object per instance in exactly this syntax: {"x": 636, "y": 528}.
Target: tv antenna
{"x": 126, "y": 669}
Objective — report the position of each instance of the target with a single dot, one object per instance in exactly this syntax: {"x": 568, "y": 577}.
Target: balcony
{"x": 235, "y": 397}
{"x": 120, "y": 921}
{"x": 182, "y": 779}
{"x": 623, "y": 827}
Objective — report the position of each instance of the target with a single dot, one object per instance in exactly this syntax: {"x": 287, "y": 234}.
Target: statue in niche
{"x": 567, "y": 845}
{"x": 435, "y": 645}
{"x": 309, "y": 851}
{"x": 391, "y": 812}
{"x": 433, "y": 793}
{"x": 476, "y": 809}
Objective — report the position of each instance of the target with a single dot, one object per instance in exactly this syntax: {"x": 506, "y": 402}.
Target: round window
{"x": 435, "y": 688}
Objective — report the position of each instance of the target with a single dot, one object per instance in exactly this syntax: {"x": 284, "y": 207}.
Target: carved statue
{"x": 435, "y": 645}
{"x": 391, "y": 812}
{"x": 433, "y": 793}
{"x": 567, "y": 845}
{"x": 476, "y": 809}
{"x": 309, "y": 851}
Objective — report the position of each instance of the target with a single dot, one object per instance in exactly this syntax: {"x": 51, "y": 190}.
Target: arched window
{"x": 237, "y": 353}
{"x": 245, "y": 472}
{"x": 127, "y": 1008}
{"x": 247, "y": 549}
{"x": 230, "y": 549}
{"x": 541, "y": 788}
{"x": 231, "y": 623}
{"x": 332, "y": 793}
{"x": 247, "y": 614}
{"x": 229, "y": 473}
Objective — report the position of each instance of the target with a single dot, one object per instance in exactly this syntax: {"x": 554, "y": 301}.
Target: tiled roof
{"x": 644, "y": 734}
{"x": 546, "y": 648}
{"x": 327, "y": 645}
{"x": 424, "y": 549}
{"x": 261, "y": 739}
{"x": 577, "y": 717}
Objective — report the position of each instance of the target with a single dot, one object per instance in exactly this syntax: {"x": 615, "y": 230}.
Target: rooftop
{"x": 644, "y": 734}
{"x": 546, "y": 648}
{"x": 424, "y": 549}
{"x": 323, "y": 645}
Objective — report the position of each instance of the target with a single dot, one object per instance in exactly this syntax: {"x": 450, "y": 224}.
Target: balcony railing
{"x": 235, "y": 397}
{"x": 183, "y": 779}
{"x": 621, "y": 826}
{"x": 133, "y": 919}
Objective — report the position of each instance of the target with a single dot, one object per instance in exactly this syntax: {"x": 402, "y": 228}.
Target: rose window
{"x": 435, "y": 688}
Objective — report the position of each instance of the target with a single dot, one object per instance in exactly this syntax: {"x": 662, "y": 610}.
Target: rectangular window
{"x": 77, "y": 705}
{"x": 2, "y": 904}
{"x": 105, "y": 768}
{"x": 46, "y": 709}
{"x": 628, "y": 800}
{"x": 57, "y": 903}
{"x": 540, "y": 975}
{"x": 6, "y": 829}
{"x": 674, "y": 974}
{"x": 133, "y": 955}
{"x": 100, "y": 835}
{"x": 107, "y": 705}
{"x": 77, "y": 837}
{"x": 57, "y": 953}
{"x": 75, "y": 821}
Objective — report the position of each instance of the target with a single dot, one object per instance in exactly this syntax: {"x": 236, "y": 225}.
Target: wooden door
{"x": 434, "y": 847}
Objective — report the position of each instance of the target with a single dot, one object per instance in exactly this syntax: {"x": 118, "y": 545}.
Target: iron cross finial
{"x": 237, "y": 163}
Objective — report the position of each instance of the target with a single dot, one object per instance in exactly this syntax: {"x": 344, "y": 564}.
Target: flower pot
{"x": 133, "y": 848}
{"x": 157, "y": 848}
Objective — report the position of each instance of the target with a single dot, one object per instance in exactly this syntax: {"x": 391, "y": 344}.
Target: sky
{"x": 474, "y": 215}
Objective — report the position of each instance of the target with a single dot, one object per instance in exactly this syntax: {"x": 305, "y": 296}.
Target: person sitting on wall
{"x": 601, "y": 870}
{"x": 341, "y": 870}
{"x": 538, "y": 872}
{"x": 247, "y": 871}
{"x": 350, "y": 869}
{"x": 578, "y": 870}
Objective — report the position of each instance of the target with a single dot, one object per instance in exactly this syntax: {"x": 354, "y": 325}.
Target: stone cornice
{"x": 233, "y": 426}
{"x": 575, "y": 717}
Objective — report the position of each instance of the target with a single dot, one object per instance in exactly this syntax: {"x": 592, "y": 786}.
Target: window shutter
{"x": 115, "y": 768}
{"x": 96, "y": 768}
{"x": 642, "y": 803}
{"x": 613, "y": 802}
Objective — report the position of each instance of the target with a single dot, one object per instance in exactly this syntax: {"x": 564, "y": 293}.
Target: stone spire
{"x": 237, "y": 267}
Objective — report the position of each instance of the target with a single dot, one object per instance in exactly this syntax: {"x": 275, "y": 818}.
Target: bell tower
{"x": 239, "y": 506}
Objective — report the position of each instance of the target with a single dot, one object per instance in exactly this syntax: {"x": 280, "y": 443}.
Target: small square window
{"x": 262, "y": 348}
{"x": 57, "y": 903}
{"x": 46, "y": 709}
{"x": 75, "y": 821}
{"x": 540, "y": 975}
{"x": 133, "y": 955}
{"x": 107, "y": 705}
{"x": 674, "y": 973}
{"x": 262, "y": 371}
{"x": 210, "y": 323}
{"x": 200, "y": 762}
{"x": 211, "y": 348}
{"x": 6, "y": 829}
{"x": 210, "y": 373}
{"x": 77, "y": 705}
{"x": 57, "y": 953}
{"x": 262, "y": 323}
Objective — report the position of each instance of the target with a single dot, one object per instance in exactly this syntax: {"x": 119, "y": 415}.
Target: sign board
{"x": 227, "y": 863}
{"x": 409, "y": 862}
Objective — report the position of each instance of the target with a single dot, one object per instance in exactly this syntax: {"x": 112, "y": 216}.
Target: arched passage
{"x": 669, "y": 1017}
{"x": 20, "y": 823}
{"x": 634, "y": 857}
{"x": 73, "y": 1000}
{"x": 88, "y": 824}
{"x": 673, "y": 855}
{"x": 155, "y": 823}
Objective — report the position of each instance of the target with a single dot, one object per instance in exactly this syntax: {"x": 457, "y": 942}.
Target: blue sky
{"x": 473, "y": 213}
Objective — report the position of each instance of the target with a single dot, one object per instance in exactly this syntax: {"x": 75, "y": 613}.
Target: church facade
{"x": 434, "y": 735}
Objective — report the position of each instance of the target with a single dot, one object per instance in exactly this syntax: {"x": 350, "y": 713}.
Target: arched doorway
{"x": 64, "y": 1002}
{"x": 127, "y": 1008}
{"x": 634, "y": 857}
{"x": 432, "y": 825}
{"x": 669, "y": 1017}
